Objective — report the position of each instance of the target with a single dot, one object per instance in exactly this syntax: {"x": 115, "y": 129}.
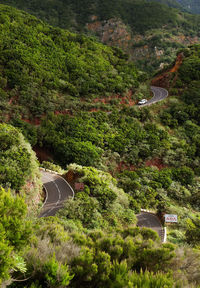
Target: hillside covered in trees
{"x": 18, "y": 165}
{"x": 74, "y": 99}
{"x": 149, "y": 31}
{"x": 43, "y": 67}
{"x": 67, "y": 14}
{"x": 191, "y": 5}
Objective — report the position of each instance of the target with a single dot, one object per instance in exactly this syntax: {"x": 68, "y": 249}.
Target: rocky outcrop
{"x": 111, "y": 32}
{"x": 156, "y": 48}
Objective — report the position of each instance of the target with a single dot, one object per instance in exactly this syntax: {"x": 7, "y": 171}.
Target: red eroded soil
{"x": 178, "y": 63}
{"x": 66, "y": 111}
{"x": 125, "y": 166}
{"x": 35, "y": 122}
{"x": 94, "y": 110}
{"x": 163, "y": 80}
{"x": 155, "y": 162}
{"x": 126, "y": 100}
{"x": 11, "y": 100}
{"x": 106, "y": 100}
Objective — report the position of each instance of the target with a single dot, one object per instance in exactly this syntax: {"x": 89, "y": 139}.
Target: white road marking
{"x": 143, "y": 219}
{"x": 159, "y": 94}
{"x": 48, "y": 179}
{"x": 59, "y": 195}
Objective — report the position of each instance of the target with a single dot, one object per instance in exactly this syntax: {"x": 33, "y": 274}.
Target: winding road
{"x": 146, "y": 219}
{"x": 150, "y": 220}
{"x": 57, "y": 191}
{"x": 159, "y": 94}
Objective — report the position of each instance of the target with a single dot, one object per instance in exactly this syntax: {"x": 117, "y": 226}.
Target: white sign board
{"x": 170, "y": 218}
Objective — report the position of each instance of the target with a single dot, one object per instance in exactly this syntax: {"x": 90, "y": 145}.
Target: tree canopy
{"x": 17, "y": 161}
{"x": 43, "y": 66}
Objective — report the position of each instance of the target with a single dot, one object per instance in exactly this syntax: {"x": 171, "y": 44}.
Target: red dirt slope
{"x": 163, "y": 80}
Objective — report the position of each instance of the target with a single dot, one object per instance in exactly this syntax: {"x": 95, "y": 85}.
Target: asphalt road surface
{"x": 159, "y": 94}
{"x": 57, "y": 191}
{"x": 149, "y": 220}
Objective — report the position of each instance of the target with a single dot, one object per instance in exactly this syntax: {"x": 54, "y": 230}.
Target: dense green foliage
{"x": 191, "y": 5}
{"x": 193, "y": 232}
{"x": 142, "y": 185}
{"x": 15, "y": 232}
{"x": 128, "y": 135}
{"x": 120, "y": 137}
{"x": 101, "y": 203}
{"x": 121, "y": 132}
{"x": 95, "y": 133}
{"x": 96, "y": 258}
{"x": 189, "y": 70}
{"x": 161, "y": 28}
{"x": 170, "y": 3}
{"x": 57, "y": 13}
{"x": 141, "y": 15}
{"x": 17, "y": 161}
{"x": 185, "y": 114}
{"x": 93, "y": 240}
{"x": 42, "y": 66}
{"x": 182, "y": 115}
{"x": 166, "y": 191}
